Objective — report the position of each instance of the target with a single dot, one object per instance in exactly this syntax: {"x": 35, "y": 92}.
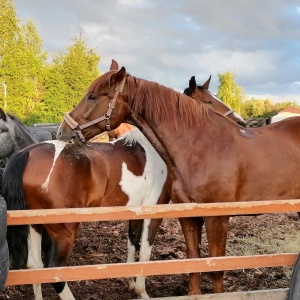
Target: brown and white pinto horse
{"x": 211, "y": 158}
{"x": 127, "y": 171}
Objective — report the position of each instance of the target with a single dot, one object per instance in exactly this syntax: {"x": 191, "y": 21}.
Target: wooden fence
{"x": 103, "y": 271}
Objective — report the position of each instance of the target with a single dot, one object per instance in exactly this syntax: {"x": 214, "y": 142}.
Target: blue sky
{"x": 169, "y": 41}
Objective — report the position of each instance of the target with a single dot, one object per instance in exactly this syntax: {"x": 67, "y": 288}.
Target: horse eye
{"x": 208, "y": 102}
{"x": 92, "y": 97}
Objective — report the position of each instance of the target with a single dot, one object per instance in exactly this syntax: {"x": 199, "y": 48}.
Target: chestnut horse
{"x": 210, "y": 158}
{"x": 14, "y": 136}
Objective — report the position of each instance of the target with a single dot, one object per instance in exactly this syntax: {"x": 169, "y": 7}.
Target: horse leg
{"x": 192, "y": 230}
{"x": 62, "y": 240}
{"x": 34, "y": 260}
{"x": 133, "y": 245}
{"x": 216, "y": 228}
{"x": 150, "y": 229}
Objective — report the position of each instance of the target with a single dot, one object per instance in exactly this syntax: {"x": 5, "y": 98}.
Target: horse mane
{"x": 163, "y": 104}
{"x": 134, "y": 136}
{"x": 25, "y": 131}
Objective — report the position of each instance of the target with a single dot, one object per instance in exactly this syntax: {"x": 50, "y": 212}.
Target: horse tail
{"x": 12, "y": 191}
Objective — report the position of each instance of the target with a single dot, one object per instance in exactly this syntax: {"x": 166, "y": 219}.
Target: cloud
{"x": 169, "y": 41}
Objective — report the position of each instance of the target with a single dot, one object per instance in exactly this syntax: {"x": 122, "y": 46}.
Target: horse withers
{"x": 225, "y": 159}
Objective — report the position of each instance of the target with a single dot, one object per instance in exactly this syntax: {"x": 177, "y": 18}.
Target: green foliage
{"x": 263, "y": 108}
{"x": 229, "y": 91}
{"x": 66, "y": 80}
{"x": 233, "y": 95}
{"x": 21, "y": 64}
{"x": 38, "y": 91}
{"x": 8, "y": 25}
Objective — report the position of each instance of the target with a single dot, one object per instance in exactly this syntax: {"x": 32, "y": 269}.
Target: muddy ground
{"x": 106, "y": 242}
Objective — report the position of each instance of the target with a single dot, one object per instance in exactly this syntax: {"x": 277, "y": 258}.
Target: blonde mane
{"x": 163, "y": 104}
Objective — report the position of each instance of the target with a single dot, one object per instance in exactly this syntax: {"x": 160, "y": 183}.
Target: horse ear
{"x": 205, "y": 85}
{"x": 118, "y": 77}
{"x": 114, "y": 65}
{"x": 2, "y": 114}
{"x": 192, "y": 84}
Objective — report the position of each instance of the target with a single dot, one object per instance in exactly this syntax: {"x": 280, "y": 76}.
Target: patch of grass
{"x": 281, "y": 239}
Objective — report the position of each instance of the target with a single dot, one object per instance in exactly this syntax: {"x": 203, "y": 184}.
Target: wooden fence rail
{"x": 71, "y": 215}
{"x": 104, "y": 271}
{"x": 91, "y": 272}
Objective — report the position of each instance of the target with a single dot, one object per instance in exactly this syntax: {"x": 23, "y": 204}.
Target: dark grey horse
{"x": 14, "y": 136}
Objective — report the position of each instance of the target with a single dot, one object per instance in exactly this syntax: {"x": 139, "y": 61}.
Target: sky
{"x": 168, "y": 41}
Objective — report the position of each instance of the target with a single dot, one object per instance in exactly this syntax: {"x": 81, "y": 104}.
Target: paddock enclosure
{"x": 247, "y": 277}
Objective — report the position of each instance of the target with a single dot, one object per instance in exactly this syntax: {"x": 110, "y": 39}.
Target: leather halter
{"x": 106, "y": 117}
{"x": 228, "y": 113}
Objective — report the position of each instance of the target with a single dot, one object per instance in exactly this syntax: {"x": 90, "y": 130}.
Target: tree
{"x": 8, "y": 25}
{"x": 256, "y": 108}
{"x": 31, "y": 61}
{"x": 229, "y": 91}
{"x": 22, "y": 62}
{"x": 263, "y": 108}
{"x": 37, "y": 91}
{"x": 66, "y": 80}
{"x": 8, "y": 32}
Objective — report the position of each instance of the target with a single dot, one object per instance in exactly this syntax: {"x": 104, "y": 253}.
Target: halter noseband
{"x": 106, "y": 117}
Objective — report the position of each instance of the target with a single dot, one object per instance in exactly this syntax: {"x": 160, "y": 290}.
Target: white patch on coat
{"x": 144, "y": 189}
{"x": 66, "y": 293}
{"x": 145, "y": 253}
{"x": 130, "y": 259}
{"x": 59, "y": 146}
{"x": 34, "y": 260}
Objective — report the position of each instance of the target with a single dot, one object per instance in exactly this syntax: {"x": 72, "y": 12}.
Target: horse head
{"x": 201, "y": 93}
{"x": 104, "y": 98}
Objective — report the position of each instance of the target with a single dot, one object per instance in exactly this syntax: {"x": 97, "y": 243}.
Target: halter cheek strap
{"x": 228, "y": 113}
{"x": 106, "y": 117}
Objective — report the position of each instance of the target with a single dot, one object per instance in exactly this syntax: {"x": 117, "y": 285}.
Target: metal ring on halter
{"x": 112, "y": 103}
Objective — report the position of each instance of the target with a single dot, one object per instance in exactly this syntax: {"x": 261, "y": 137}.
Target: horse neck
{"x": 170, "y": 115}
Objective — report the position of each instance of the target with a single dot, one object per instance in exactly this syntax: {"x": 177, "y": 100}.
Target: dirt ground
{"x": 106, "y": 242}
